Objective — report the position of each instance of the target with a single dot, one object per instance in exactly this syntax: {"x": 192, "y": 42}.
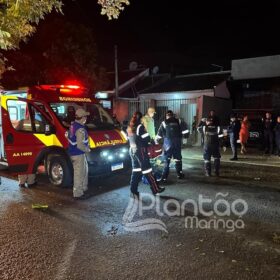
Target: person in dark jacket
{"x": 139, "y": 140}
{"x": 172, "y": 131}
{"x": 268, "y": 126}
{"x": 200, "y": 126}
{"x": 214, "y": 117}
{"x": 233, "y": 132}
{"x": 277, "y": 135}
{"x": 211, "y": 146}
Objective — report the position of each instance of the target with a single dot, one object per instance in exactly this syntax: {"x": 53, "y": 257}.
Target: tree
{"x": 19, "y": 17}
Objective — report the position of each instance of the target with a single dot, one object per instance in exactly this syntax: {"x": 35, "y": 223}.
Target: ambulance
{"x": 33, "y": 132}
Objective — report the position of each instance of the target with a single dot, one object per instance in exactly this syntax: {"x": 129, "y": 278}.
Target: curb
{"x": 237, "y": 162}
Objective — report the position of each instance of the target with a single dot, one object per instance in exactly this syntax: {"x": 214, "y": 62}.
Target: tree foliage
{"x": 62, "y": 51}
{"x": 18, "y": 19}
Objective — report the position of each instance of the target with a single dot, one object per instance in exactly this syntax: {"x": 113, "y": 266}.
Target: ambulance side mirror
{"x": 49, "y": 129}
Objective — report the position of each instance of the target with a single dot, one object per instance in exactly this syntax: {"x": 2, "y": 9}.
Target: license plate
{"x": 117, "y": 166}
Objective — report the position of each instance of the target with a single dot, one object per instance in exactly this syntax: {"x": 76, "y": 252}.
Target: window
{"x": 25, "y": 117}
{"x": 98, "y": 118}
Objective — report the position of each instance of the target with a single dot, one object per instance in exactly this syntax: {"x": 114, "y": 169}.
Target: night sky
{"x": 183, "y": 36}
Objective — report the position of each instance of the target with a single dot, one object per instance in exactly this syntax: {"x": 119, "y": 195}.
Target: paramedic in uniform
{"x": 211, "y": 146}
{"x": 172, "y": 131}
{"x": 78, "y": 146}
{"x": 139, "y": 140}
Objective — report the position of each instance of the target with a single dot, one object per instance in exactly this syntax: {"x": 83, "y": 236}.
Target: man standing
{"x": 233, "y": 131}
{"x": 171, "y": 131}
{"x": 78, "y": 146}
{"x": 214, "y": 117}
{"x": 268, "y": 127}
{"x": 149, "y": 123}
{"x": 211, "y": 147}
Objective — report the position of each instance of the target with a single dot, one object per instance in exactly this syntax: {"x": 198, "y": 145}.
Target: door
{"x": 23, "y": 124}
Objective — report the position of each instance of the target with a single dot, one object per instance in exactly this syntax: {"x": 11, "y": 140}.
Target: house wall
{"x": 120, "y": 108}
{"x": 221, "y": 90}
{"x": 222, "y": 107}
{"x": 256, "y": 67}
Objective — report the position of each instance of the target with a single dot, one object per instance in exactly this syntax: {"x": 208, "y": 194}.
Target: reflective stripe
{"x": 91, "y": 143}
{"x": 158, "y": 137}
{"x": 48, "y": 140}
{"x": 72, "y": 143}
{"x": 4, "y": 101}
{"x": 147, "y": 171}
{"x": 85, "y": 141}
{"x": 136, "y": 169}
{"x": 206, "y": 161}
{"x": 204, "y": 127}
{"x": 137, "y": 129}
{"x": 164, "y": 124}
{"x": 221, "y": 135}
{"x": 157, "y": 151}
{"x": 185, "y": 131}
{"x": 218, "y": 129}
{"x": 177, "y": 160}
{"x": 145, "y": 135}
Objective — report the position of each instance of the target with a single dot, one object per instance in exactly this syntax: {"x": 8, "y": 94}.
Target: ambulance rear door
{"x": 24, "y": 132}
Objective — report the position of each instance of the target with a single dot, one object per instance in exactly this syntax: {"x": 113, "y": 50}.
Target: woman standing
{"x": 139, "y": 140}
{"x": 244, "y": 134}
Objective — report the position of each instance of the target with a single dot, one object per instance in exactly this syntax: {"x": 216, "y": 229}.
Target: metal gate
{"x": 185, "y": 109}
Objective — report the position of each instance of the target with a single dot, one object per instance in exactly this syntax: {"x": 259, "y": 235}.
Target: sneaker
{"x": 207, "y": 174}
{"x": 234, "y": 158}
{"x": 181, "y": 176}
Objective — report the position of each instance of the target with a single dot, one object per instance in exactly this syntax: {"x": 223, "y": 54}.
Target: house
{"x": 191, "y": 97}
{"x": 255, "y": 83}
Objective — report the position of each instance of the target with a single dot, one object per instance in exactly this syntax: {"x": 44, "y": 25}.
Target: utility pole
{"x": 116, "y": 72}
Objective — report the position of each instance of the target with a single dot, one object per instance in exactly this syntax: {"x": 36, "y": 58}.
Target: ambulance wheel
{"x": 60, "y": 172}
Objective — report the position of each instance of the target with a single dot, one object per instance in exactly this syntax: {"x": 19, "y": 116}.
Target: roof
{"x": 192, "y": 82}
{"x": 144, "y": 84}
{"x": 123, "y": 77}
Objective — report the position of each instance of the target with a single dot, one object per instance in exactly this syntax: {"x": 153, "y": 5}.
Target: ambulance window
{"x": 27, "y": 119}
{"x": 20, "y": 121}
{"x": 13, "y": 112}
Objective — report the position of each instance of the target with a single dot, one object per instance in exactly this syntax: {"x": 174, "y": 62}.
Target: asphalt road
{"x": 92, "y": 239}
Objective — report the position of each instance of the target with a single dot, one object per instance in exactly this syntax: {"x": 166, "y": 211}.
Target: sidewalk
{"x": 253, "y": 157}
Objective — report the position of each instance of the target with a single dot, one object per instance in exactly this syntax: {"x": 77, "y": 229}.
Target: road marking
{"x": 66, "y": 261}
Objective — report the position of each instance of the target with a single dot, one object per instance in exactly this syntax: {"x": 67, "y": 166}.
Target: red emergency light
{"x": 64, "y": 89}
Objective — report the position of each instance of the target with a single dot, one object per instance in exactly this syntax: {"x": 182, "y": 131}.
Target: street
{"x": 91, "y": 239}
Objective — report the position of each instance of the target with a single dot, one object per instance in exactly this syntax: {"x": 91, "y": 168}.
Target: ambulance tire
{"x": 60, "y": 173}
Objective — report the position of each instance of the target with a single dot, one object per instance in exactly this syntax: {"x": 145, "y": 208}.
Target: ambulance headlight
{"x": 124, "y": 150}
{"x": 110, "y": 157}
{"x": 104, "y": 154}
{"x": 121, "y": 155}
